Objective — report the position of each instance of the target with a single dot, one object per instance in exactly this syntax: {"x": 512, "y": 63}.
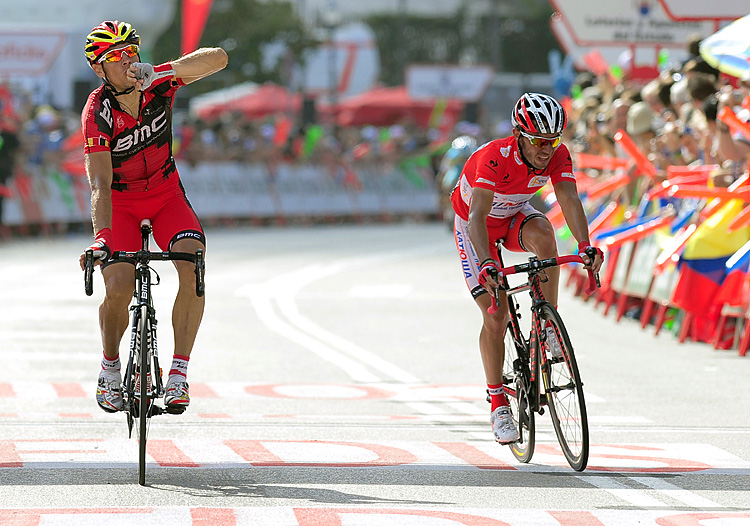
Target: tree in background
{"x": 244, "y": 28}
{"x": 248, "y": 28}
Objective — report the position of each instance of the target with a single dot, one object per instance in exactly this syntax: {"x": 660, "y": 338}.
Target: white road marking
{"x": 622, "y": 492}
{"x": 675, "y": 492}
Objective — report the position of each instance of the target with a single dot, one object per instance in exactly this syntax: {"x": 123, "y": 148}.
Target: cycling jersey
{"x": 141, "y": 148}
{"x": 145, "y": 181}
{"x": 497, "y": 166}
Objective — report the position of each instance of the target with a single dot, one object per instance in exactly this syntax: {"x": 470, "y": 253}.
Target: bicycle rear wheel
{"x": 145, "y": 403}
{"x": 564, "y": 389}
{"x": 515, "y": 381}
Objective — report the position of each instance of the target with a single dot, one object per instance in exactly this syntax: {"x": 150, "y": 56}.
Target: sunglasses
{"x": 541, "y": 142}
{"x": 116, "y": 54}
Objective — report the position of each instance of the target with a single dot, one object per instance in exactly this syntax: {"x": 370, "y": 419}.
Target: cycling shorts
{"x": 506, "y": 231}
{"x": 172, "y": 217}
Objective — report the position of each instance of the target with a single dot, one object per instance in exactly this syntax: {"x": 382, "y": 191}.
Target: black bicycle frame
{"x": 532, "y": 344}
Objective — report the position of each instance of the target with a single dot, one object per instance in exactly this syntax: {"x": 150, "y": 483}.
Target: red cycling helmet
{"x": 105, "y": 36}
{"x": 538, "y": 113}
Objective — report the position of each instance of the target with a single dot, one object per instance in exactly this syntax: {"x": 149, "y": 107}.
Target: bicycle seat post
{"x": 145, "y": 233}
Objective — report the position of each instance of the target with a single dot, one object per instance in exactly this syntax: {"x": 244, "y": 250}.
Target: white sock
{"x": 111, "y": 367}
{"x": 178, "y": 371}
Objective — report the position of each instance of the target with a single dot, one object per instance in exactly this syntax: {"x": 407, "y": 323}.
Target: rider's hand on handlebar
{"x": 488, "y": 275}
{"x": 592, "y": 256}
{"x": 100, "y": 247}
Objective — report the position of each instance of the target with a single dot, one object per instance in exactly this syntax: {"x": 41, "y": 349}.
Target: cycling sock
{"x": 111, "y": 367}
{"x": 179, "y": 367}
{"x": 497, "y": 396}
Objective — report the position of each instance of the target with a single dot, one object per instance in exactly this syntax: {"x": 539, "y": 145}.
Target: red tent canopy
{"x": 387, "y": 106}
{"x": 254, "y": 102}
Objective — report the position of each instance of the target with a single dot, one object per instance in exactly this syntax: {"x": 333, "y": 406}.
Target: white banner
{"x": 29, "y": 52}
{"x": 431, "y": 81}
{"x": 626, "y": 22}
{"x": 235, "y": 190}
{"x": 703, "y": 10}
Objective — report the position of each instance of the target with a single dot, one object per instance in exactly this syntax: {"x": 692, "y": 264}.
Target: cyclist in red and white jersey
{"x": 127, "y": 128}
{"x": 491, "y": 201}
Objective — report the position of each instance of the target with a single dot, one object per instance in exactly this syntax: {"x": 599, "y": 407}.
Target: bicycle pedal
{"x": 174, "y": 409}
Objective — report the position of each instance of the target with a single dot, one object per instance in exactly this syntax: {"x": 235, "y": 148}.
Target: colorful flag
{"x": 703, "y": 262}
{"x": 734, "y": 289}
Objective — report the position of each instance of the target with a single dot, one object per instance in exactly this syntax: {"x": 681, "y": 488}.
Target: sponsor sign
{"x": 29, "y": 52}
{"x": 627, "y": 23}
{"x": 430, "y": 81}
{"x": 702, "y": 10}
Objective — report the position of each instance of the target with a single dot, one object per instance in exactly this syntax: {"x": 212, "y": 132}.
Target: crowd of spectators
{"x": 672, "y": 119}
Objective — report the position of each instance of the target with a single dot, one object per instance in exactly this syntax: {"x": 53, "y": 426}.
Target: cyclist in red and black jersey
{"x": 127, "y": 128}
{"x": 491, "y": 201}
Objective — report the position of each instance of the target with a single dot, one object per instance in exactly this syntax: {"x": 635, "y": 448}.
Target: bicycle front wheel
{"x": 143, "y": 392}
{"x": 564, "y": 389}
{"x": 515, "y": 384}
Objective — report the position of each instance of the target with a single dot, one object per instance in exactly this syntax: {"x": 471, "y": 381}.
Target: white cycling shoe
{"x": 502, "y": 425}
{"x": 109, "y": 393}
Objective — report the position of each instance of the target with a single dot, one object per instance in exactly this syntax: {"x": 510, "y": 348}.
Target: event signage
{"x": 627, "y": 23}
{"x": 28, "y": 52}
{"x": 431, "y": 81}
{"x": 703, "y": 10}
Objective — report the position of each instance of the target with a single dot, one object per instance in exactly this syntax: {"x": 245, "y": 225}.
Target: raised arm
{"x": 200, "y": 63}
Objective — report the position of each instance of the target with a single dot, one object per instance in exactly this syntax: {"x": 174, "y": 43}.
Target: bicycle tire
{"x": 564, "y": 389}
{"x": 515, "y": 381}
{"x": 145, "y": 403}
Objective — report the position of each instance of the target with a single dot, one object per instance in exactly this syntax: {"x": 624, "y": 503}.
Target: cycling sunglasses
{"x": 541, "y": 142}
{"x": 116, "y": 54}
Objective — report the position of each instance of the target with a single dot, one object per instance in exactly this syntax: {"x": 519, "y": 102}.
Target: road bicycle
{"x": 143, "y": 359}
{"x": 546, "y": 351}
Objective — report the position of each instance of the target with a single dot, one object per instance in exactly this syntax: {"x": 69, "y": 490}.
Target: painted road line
{"x": 676, "y": 493}
{"x": 261, "y": 297}
{"x": 373, "y": 515}
{"x": 622, "y": 492}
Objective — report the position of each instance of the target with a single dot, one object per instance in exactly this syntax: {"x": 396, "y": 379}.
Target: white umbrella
{"x": 728, "y": 50}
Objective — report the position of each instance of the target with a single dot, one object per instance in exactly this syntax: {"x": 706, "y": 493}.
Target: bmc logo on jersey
{"x": 142, "y": 134}
{"x": 106, "y": 112}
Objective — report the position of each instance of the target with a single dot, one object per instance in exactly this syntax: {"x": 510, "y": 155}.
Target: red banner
{"x": 194, "y": 16}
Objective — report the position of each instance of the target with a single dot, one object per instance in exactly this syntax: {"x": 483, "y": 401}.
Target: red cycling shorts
{"x": 172, "y": 217}
{"x": 506, "y": 231}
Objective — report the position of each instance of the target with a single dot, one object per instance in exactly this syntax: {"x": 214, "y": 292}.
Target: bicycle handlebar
{"x": 145, "y": 257}
{"x": 535, "y": 265}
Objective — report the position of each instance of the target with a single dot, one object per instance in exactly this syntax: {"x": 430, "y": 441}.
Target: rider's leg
{"x": 538, "y": 236}
{"x": 119, "y": 284}
{"x": 188, "y": 307}
{"x": 491, "y": 338}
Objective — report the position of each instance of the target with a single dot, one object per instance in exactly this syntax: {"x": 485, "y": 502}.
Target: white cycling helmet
{"x": 538, "y": 113}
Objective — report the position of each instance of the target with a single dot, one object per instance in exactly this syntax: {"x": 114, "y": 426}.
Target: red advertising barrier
{"x": 728, "y": 117}
{"x": 639, "y": 158}
{"x": 595, "y": 191}
{"x": 599, "y": 162}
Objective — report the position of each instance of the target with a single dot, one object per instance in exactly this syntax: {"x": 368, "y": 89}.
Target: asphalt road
{"x": 336, "y": 379}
